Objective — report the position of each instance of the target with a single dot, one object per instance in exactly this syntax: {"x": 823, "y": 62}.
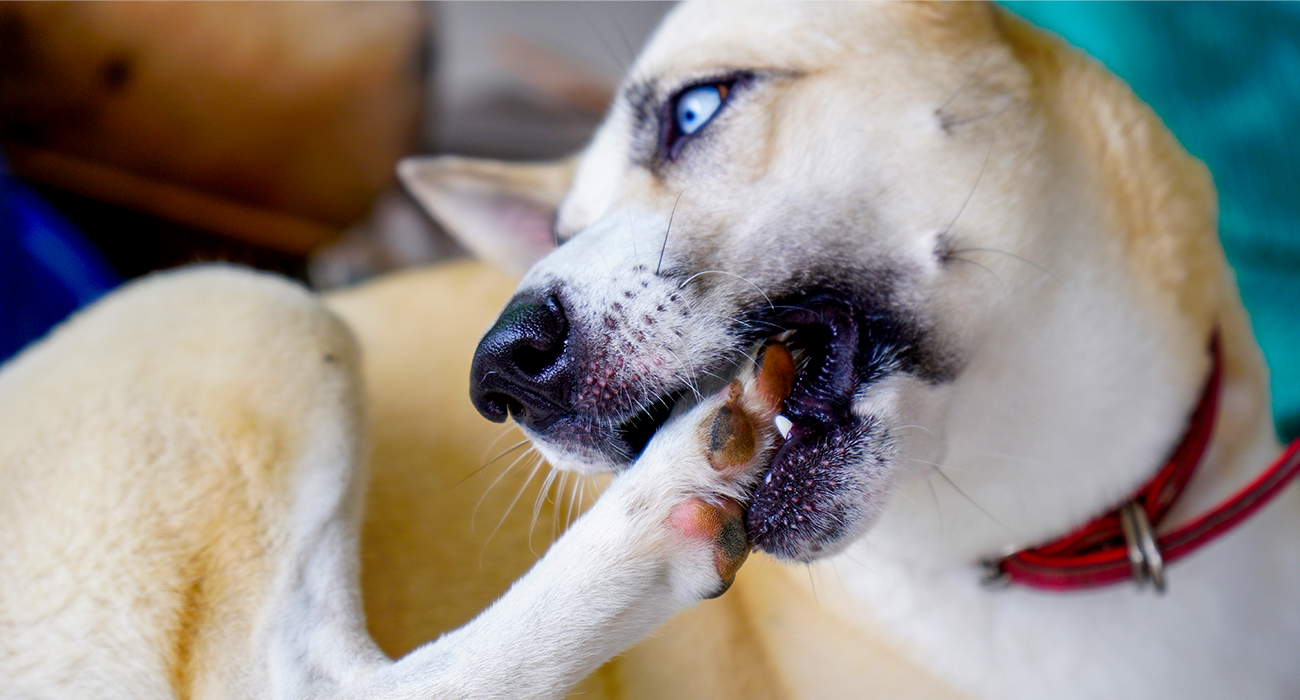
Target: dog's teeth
{"x": 783, "y": 425}
{"x": 784, "y": 335}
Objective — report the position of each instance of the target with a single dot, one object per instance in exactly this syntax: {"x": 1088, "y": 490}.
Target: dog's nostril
{"x": 498, "y": 407}
{"x": 539, "y": 330}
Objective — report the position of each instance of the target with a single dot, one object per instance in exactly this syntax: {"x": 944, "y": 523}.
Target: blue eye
{"x": 696, "y": 106}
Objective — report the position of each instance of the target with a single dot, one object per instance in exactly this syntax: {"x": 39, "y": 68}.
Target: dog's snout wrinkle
{"x": 523, "y": 367}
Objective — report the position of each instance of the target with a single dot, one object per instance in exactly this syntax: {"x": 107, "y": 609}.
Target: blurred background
{"x": 141, "y": 136}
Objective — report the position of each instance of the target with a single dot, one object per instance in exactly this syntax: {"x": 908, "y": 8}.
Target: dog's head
{"x": 975, "y": 241}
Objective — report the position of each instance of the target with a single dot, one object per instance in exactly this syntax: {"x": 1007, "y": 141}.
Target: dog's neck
{"x": 1126, "y": 544}
{"x": 932, "y": 600}
{"x": 1047, "y": 427}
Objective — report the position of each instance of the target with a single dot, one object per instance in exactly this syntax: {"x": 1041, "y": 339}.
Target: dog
{"x": 896, "y": 291}
{"x": 1001, "y": 279}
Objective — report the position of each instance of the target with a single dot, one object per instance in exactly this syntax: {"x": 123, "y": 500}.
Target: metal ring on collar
{"x": 1143, "y": 552}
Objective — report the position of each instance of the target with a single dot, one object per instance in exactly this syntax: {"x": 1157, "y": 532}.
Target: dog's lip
{"x": 635, "y": 432}
{"x": 824, "y": 334}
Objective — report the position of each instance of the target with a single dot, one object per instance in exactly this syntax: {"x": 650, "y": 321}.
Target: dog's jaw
{"x": 823, "y": 493}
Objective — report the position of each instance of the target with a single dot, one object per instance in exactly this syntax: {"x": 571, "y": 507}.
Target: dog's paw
{"x": 696, "y": 475}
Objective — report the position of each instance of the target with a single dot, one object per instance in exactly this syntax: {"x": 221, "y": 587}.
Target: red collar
{"x": 1122, "y": 545}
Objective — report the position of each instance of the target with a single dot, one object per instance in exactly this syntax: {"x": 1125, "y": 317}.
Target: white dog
{"x": 1001, "y": 278}
{"x": 1005, "y": 304}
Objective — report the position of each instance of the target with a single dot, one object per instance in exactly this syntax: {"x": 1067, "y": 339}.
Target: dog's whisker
{"x": 938, "y": 510}
{"x": 539, "y": 502}
{"x": 577, "y": 489}
{"x": 970, "y": 194}
{"x": 473, "y": 518}
{"x": 1022, "y": 259}
{"x": 622, "y": 59}
{"x": 668, "y": 229}
{"x": 970, "y": 79}
{"x": 532, "y": 473}
{"x": 742, "y": 278}
{"x": 935, "y": 469}
{"x": 690, "y": 369}
{"x": 544, "y": 495}
{"x": 594, "y": 491}
{"x": 1007, "y": 457}
{"x": 954, "y": 258}
{"x": 572, "y": 509}
{"x": 479, "y": 470}
{"x": 812, "y": 583}
{"x": 557, "y": 504}
{"x": 563, "y": 502}
{"x": 857, "y": 562}
{"x": 948, "y": 124}
{"x": 942, "y": 467}
{"x": 559, "y": 512}
{"x": 914, "y": 426}
{"x": 715, "y": 375}
{"x": 579, "y": 505}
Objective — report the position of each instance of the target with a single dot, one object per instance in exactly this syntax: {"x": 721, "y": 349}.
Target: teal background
{"x": 1225, "y": 77}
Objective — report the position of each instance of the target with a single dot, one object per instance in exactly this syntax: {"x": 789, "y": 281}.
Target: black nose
{"x": 523, "y": 366}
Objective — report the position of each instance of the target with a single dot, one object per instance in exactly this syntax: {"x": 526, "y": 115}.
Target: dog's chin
{"x": 583, "y": 446}
{"x": 587, "y": 445}
{"x": 822, "y": 490}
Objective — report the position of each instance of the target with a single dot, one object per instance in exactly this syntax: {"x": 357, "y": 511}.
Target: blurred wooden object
{"x": 275, "y": 123}
{"x": 195, "y": 209}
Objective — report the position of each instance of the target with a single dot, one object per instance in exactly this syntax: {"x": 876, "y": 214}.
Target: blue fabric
{"x": 47, "y": 270}
{"x": 1225, "y": 77}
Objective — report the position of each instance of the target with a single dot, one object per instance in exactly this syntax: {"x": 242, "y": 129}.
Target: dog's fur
{"x": 1035, "y": 259}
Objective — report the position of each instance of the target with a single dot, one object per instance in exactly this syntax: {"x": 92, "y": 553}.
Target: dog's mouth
{"x": 822, "y": 336}
{"x": 800, "y": 508}
{"x": 811, "y": 499}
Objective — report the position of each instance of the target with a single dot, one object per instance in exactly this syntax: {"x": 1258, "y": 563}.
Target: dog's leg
{"x": 667, "y": 534}
{"x": 183, "y": 477}
{"x": 172, "y": 458}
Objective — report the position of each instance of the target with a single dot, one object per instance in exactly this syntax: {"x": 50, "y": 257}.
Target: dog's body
{"x": 1002, "y": 279}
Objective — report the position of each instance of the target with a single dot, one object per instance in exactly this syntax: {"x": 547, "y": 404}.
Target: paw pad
{"x": 723, "y": 526}
{"x": 732, "y": 442}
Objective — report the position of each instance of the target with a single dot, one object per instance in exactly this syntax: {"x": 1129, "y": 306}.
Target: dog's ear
{"x": 501, "y": 212}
